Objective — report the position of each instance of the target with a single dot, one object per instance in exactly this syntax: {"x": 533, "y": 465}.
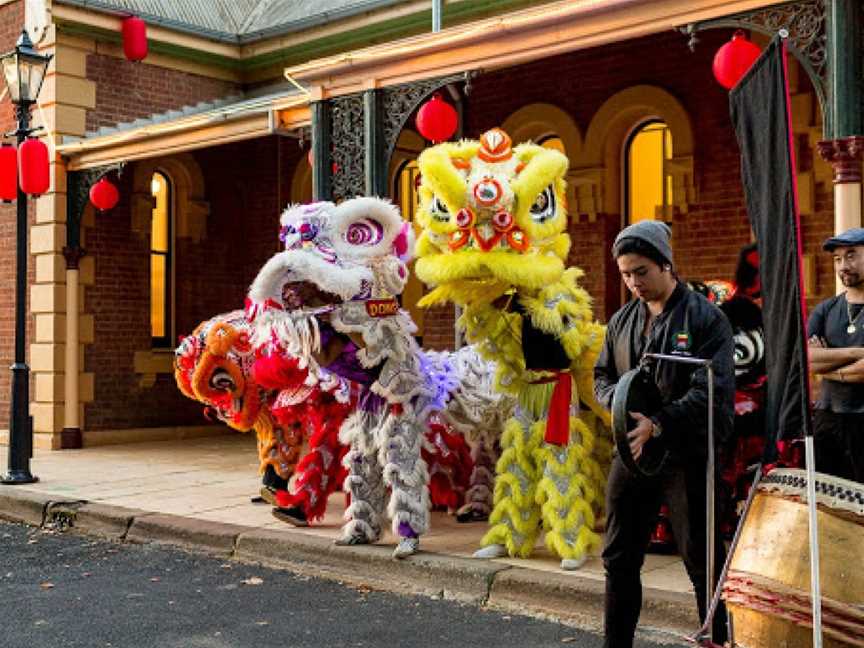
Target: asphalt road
{"x": 62, "y": 590}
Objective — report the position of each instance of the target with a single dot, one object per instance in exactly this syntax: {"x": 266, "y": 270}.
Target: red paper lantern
{"x": 8, "y": 173}
{"x": 104, "y": 195}
{"x": 437, "y": 120}
{"x": 134, "y": 38}
{"x": 33, "y": 167}
{"x": 733, "y": 59}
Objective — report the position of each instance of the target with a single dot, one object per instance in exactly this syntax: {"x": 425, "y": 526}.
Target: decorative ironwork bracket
{"x": 401, "y": 101}
{"x": 78, "y": 184}
{"x": 348, "y": 152}
{"x": 806, "y": 23}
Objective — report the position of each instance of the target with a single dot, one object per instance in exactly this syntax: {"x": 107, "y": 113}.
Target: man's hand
{"x": 639, "y": 435}
{"x": 824, "y": 359}
{"x": 851, "y": 373}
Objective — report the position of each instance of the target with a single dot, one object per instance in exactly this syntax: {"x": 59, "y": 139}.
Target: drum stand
{"x": 703, "y": 636}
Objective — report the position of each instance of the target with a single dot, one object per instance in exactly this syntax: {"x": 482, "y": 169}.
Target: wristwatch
{"x": 656, "y": 429}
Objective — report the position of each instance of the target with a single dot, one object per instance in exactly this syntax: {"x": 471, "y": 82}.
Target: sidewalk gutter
{"x": 570, "y": 598}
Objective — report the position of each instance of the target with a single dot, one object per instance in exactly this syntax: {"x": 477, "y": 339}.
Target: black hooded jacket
{"x": 691, "y": 326}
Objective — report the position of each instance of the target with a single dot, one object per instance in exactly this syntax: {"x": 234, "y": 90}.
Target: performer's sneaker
{"x": 351, "y": 540}
{"x": 491, "y": 551}
{"x": 469, "y": 513}
{"x": 406, "y": 547}
{"x": 570, "y": 564}
{"x": 293, "y": 515}
{"x": 267, "y": 494}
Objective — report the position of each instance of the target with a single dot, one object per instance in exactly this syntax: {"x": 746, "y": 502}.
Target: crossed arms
{"x": 839, "y": 364}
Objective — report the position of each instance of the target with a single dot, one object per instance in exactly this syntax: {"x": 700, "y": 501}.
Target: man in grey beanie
{"x": 654, "y": 233}
{"x": 665, "y": 317}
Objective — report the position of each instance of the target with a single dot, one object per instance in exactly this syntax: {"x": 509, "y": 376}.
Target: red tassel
{"x": 558, "y": 420}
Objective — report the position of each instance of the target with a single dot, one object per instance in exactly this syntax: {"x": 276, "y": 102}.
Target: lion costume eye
{"x": 221, "y": 379}
{"x": 544, "y": 205}
{"x": 364, "y": 232}
{"x": 439, "y": 210}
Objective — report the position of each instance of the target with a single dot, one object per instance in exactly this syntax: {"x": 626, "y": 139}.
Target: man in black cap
{"x": 836, "y": 330}
{"x": 665, "y": 317}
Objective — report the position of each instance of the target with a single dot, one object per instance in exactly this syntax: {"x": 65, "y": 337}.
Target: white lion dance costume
{"x": 330, "y": 299}
{"x": 494, "y": 242}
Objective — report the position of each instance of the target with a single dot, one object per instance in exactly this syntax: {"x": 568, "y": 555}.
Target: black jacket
{"x": 689, "y": 325}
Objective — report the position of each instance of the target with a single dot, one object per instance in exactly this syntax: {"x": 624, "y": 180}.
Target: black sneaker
{"x": 266, "y": 494}
{"x": 468, "y": 514}
{"x": 293, "y": 516}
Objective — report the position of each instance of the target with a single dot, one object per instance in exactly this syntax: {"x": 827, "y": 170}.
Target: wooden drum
{"x": 767, "y": 591}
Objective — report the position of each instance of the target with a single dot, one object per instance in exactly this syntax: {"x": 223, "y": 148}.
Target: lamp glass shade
{"x": 24, "y": 71}
{"x": 8, "y": 173}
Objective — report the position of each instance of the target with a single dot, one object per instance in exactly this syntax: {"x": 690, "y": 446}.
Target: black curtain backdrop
{"x": 760, "y": 113}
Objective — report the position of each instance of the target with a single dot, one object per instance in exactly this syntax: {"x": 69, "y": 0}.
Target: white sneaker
{"x": 571, "y": 564}
{"x": 491, "y": 551}
{"x": 406, "y": 547}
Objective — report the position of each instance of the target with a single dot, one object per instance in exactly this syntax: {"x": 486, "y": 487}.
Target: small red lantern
{"x": 8, "y": 173}
{"x": 134, "y": 38}
{"x": 437, "y": 120}
{"x": 33, "y": 167}
{"x": 733, "y": 59}
{"x": 104, "y": 195}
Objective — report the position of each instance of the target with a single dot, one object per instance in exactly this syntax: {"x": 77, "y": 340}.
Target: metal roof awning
{"x": 179, "y": 131}
{"x": 507, "y": 40}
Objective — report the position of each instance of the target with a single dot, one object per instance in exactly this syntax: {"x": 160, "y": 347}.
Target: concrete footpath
{"x": 196, "y": 494}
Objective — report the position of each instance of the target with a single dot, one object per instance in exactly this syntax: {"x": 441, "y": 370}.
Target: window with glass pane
{"x": 552, "y": 142}
{"x": 407, "y": 197}
{"x": 649, "y": 191}
{"x": 160, "y": 262}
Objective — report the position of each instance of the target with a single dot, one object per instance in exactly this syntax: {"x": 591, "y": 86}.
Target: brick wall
{"x": 247, "y": 182}
{"x": 707, "y": 239}
{"x": 212, "y": 277}
{"x": 126, "y": 91}
{"x": 11, "y": 23}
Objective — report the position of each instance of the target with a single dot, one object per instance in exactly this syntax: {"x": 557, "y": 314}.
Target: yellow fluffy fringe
{"x": 569, "y": 517}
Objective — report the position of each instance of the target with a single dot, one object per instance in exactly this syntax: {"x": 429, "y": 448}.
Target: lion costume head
{"x": 491, "y": 212}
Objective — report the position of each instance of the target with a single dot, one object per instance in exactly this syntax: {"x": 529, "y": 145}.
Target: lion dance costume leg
{"x": 494, "y": 242}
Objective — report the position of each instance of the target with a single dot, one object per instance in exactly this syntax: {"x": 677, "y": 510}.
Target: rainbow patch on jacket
{"x": 492, "y": 211}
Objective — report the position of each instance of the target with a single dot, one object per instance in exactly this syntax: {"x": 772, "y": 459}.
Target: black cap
{"x": 849, "y": 238}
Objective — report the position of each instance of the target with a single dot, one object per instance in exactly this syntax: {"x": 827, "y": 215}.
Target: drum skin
{"x": 768, "y": 589}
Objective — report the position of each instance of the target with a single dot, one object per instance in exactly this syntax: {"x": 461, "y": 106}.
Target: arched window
{"x": 648, "y": 189}
{"x": 161, "y": 249}
{"x": 552, "y": 142}
{"x": 405, "y": 194}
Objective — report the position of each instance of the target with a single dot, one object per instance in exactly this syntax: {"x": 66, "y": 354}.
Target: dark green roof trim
{"x": 157, "y": 47}
{"x": 374, "y": 34}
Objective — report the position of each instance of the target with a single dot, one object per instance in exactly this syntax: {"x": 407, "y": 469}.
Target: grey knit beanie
{"x": 654, "y": 233}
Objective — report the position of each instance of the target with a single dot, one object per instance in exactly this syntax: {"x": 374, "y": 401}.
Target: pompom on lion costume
{"x": 494, "y": 242}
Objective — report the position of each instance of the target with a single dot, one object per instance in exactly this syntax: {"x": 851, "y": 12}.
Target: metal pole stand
{"x": 705, "y": 633}
{"x": 20, "y": 421}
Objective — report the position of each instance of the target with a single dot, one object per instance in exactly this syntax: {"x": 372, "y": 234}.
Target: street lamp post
{"x": 24, "y": 70}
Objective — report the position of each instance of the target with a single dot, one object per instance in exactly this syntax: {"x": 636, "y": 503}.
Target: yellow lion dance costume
{"x": 494, "y": 241}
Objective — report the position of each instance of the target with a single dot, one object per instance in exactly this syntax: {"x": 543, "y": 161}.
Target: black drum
{"x": 636, "y": 392}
